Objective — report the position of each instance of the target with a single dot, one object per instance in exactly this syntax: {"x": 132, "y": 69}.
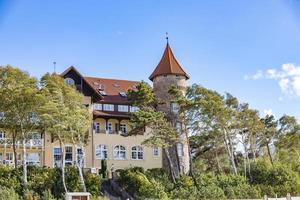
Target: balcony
{"x": 29, "y": 143}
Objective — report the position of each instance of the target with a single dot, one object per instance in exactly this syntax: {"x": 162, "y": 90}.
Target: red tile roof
{"x": 112, "y": 88}
{"x": 168, "y": 65}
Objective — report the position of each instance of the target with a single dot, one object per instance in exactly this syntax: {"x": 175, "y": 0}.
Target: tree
{"x": 212, "y": 113}
{"x": 61, "y": 99}
{"x": 269, "y": 134}
{"x": 161, "y": 133}
{"x": 20, "y": 101}
{"x": 81, "y": 121}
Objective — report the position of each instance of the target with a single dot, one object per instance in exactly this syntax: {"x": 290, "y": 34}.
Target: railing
{"x": 29, "y": 143}
{"x": 110, "y": 132}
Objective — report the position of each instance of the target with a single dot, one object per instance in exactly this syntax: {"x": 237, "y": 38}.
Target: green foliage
{"x": 136, "y": 182}
{"x": 8, "y": 194}
{"x": 279, "y": 179}
{"x": 104, "y": 171}
{"x": 93, "y": 182}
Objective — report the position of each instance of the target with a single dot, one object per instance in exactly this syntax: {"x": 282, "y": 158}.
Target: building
{"x": 108, "y": 136}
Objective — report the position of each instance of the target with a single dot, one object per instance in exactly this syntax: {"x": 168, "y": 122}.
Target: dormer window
{"x": 103, "y": 93}
{"x": 123, "y": 94}
{"x": 101, "y": 87}
{"x": 69, "y": 81}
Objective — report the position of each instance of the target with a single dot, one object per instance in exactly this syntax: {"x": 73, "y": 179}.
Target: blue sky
{"x": 241, "y": 47}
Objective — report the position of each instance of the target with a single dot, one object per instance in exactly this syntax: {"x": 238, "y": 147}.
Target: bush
{"x": 137, "y": 183}
{"x": 8, "y": 194}
{"x": 278, "y": 179}
{"x": 93, "y": 182}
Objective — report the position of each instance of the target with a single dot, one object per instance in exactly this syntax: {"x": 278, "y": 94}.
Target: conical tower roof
{"x": 168, "y": 65}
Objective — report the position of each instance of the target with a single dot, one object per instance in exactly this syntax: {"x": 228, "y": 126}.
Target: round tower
{"x": 169, "y": 73}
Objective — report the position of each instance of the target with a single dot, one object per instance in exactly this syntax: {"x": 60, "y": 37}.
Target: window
{"x": 178, "y": 127}
{"x": 102, "y": 92}
{"x": 1, "y": 157}
{"x": 69, "y": 81}
{"x": 180, "y": 149}
{"x": 155, "y": 151}
{"x": 108, "y": 107}
{"x": 57, "y": 157}
{"x": 9, "y": 158}
{"x": 123, "y": 94}
{"x": 123, "y": 128}
{"x": 33, "y": 159}
{"x": 2, "y": 134}
{"x": 97, "y": 127}
{"x": 137, "y": 153}
{"x": 79, "y": 155}
{"x": 119, "y": 152}
{"x": 109, "y": 127}
{"x": 122, "y": 108}
{"x": 97, "y": 106}
{"x": 69, "y": 155}
{"x": 175, "y": 107}
{"x": 134, "y": 109}
{"x": 101, "y": 152}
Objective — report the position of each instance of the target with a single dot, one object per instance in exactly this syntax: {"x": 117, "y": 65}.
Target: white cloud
{"x": 268, "y": 112}
{"x": 288, "y": 78}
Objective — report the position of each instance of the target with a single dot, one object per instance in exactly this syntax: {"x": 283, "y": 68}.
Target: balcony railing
{"x": 29, "y": 143}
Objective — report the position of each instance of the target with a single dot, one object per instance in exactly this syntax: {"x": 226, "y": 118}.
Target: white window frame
{"x": 123, "y": 128}
{"x": 123, "y": 108}
{"x": 54, "y": 158}
{"x": 102, "y": 151}
{"x": 97, "y": 106}
{"x": 108, "y": 107}
{"x": 118, "y": 151}
{"x": 155, "y": 151}
{"x": 137, "y": 153}
{"x": 69, "y": 81}
{"x": 2, "y": 134}
{"x": 178, "y": 127}
{"x": 72, "y": 151}
{"x": 97, "y": 127}
{"x": 109, "y": 127}
{"x": 35, "y": 162}
{"x": 134, "y": 108}
{"x": 180, "y": 149}
{"x": 80, "y": 156}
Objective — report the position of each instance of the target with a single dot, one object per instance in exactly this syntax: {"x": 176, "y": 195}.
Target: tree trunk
{"x": 171, "y": 167}
{"x": 62, "y": 147}
{"x": 269, "y": 153}
{"x": 24, "y": 164}
{"x": 230, "y": 153}
{"x": 79, "y": 165}
{"x": 192, "y": 169}
{"x": 14, "y": 149}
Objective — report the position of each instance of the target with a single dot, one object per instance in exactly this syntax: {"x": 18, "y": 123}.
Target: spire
{"x": 168, "y": 64}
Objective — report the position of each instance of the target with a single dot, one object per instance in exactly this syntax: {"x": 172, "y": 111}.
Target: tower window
{"x": 180, "y": 149}
{"x": 69, "y": 81}
{"x": 155, "y": 151}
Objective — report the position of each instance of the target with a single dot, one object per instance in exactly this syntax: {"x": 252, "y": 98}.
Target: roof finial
{"x": 167, "y": 37}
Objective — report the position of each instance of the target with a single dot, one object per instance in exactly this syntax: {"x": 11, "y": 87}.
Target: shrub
{"x": 8, "y": 194}
{"x": 104, "y": 171}
{"x": 93, "y": 182}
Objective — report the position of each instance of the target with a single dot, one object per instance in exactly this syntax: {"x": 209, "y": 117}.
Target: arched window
{"x": 180, "y": 149}
{"x": 119, "y": 152}
{"x": 137, "y": 153}
{"x": 69, "y": 81}
{"x": 101, "y": 151}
